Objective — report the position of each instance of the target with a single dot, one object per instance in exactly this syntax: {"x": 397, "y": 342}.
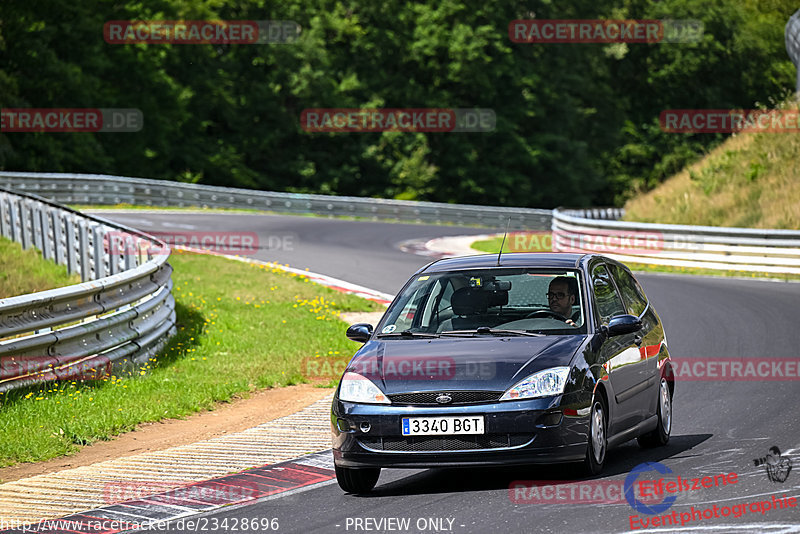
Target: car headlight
{"x": 356, "y": 388}
{"x": 542, "y": 384}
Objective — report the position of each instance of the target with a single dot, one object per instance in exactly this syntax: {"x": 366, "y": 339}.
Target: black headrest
{"x": 469, "y": 301}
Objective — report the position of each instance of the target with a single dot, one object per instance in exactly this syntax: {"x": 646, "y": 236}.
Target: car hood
{"x": 485, "y": 363}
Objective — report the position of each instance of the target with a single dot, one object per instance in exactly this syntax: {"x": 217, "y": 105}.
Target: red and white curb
{"x": 182, "y": 504}
{"x": 445, "y": 247}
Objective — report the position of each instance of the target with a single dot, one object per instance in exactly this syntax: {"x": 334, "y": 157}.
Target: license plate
{"x": 427, "y": 426}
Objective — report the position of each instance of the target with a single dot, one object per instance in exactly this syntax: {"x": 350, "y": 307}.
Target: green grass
{"x": 242, "y": 327}
{"x": 25, "y": 271}
{"x": 535, "y": 243}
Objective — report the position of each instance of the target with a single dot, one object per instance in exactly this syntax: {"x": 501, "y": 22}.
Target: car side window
{"x": 606, "y": 299}
{"x": 632, "y": 293}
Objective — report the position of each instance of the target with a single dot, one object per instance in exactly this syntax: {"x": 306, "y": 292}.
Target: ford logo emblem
{"x": 444, "y": 398}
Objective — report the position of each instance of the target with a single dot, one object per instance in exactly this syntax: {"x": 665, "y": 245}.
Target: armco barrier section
{"x": 112, "y": 190}
{"x": 738, "y": 249}
{"x": 119, "y": 316}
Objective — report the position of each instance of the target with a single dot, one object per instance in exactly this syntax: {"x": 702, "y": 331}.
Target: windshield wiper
{"x": 499, "y": 332}
{"x": 407, "y": 333}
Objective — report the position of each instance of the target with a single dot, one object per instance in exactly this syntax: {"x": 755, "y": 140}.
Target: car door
{"x": 619, "y": 354}
{"x": 651, "y": 335}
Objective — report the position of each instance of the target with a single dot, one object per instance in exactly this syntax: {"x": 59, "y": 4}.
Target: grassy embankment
{"x": 242, "y": 327}
{"x": 750, "y": 180}
{"x": 25, "y": 271}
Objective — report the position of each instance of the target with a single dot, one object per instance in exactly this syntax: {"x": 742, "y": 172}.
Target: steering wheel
{"x": 546, "y": 313}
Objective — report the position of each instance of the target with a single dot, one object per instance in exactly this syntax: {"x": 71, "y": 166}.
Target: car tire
{"x": 597, "y": 446}
{"x": 660, "y": 435}
{"x": 357, "y": 480}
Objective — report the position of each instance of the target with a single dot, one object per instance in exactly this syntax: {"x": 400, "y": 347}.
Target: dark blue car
{"x": 521, "y": 359}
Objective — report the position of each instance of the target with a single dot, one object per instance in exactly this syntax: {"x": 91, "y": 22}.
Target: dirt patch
{"x": 260, "y": 407}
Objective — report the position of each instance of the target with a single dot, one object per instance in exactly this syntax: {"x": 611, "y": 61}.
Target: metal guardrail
{"x": 121, "y": 314}
{"x": 738, "y": 249}
{"x": 111, "y": 190}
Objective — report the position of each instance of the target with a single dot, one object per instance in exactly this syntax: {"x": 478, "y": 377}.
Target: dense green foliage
{"x": 577, "y": 124}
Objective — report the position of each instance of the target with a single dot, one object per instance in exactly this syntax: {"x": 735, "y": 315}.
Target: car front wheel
{"x": 360, "y": 480}
{"x": 598, "y": 441}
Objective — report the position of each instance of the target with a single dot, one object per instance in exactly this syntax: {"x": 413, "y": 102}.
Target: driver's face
{"x": 560, "y": 300}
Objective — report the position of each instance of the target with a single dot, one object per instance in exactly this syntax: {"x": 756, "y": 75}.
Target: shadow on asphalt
{"x": 620, "y": 461}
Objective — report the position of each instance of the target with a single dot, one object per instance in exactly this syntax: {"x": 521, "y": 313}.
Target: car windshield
{"x": 502, "y": 301}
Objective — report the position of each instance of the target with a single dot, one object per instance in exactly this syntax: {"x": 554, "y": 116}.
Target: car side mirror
{"x": 360, "y": 332}
{"x": 622, "y": 324}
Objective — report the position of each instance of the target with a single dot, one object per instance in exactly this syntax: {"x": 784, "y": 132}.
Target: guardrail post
{"x": 15, "y": 235}
{"x": 99, "y": 253}
{"x": 83, "y": 251}
{"x": 5, "y": 231}
{"x": 59, "y": 238}
{"x": 71, "y": 244}
{"x": 37, "y": 227}
{"x": 25, "y": 224}
{"x": 48, "y": 234}
{"x": 110, "y": 248}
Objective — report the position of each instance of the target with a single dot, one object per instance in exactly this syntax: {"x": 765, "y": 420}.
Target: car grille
{"x": 428, "y": 398}
{"x": 446, "y": 443}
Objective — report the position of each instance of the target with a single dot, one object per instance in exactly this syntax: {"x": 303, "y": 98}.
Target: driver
{"x": 561, "y": 296}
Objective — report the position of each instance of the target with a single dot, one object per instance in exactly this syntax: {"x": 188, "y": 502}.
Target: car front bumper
{"x": 516, "y": 432}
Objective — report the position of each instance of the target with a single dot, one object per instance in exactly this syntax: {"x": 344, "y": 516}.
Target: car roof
{"x": 515, "y": 259}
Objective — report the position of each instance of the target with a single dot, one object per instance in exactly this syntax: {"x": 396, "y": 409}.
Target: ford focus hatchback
{"x": 478, "y": 361}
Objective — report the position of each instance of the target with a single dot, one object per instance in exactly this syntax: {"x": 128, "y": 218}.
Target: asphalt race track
{"x": 718, "y": 426}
